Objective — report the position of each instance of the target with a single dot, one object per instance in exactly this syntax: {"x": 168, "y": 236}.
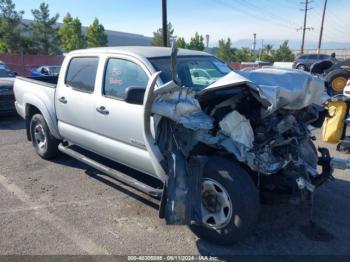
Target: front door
{"x": 120, "y": 124}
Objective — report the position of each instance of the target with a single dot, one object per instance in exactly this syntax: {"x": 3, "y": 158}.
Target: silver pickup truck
{"x": 216, "y": 140}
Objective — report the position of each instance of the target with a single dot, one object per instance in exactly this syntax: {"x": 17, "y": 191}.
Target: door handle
{"x": 102, "y": 110}
{"x": 63, "y": 100}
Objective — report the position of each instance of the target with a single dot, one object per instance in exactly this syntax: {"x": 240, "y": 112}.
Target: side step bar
{"x": 132, "y": 182}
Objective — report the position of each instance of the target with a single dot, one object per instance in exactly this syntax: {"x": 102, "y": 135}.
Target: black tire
{"x": 243, "y": 195}
{"x": 49, "y": 148}
{"x": 333, "y": 75}
{"x": 301, "y": 67}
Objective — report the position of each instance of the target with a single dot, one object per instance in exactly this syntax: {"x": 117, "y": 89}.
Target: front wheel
{"x": 44, "y": 143}
{"x": 229, "y": 202}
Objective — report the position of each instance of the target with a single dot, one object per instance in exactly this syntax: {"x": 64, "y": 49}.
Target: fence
{"x": 23, "y": 64}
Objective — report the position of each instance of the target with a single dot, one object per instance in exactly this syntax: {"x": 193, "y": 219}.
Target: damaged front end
{"x": 260, "y": 120}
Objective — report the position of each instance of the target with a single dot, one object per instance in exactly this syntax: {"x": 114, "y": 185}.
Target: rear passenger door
{"x": 75, "y": 101}
{"x": 120, "y": 124}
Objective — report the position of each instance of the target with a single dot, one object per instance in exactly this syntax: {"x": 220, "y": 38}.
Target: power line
{"x": 267, "y": 12}
{"x": 240, "y": 7}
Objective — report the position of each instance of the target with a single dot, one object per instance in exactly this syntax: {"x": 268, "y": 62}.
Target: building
{"x": 116, "y": 38}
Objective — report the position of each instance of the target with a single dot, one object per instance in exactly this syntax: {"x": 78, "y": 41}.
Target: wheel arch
{"x": 34, "y": 106}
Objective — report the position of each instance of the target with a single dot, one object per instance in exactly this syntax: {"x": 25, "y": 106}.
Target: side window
{"x": 312, "y": 56}
{"x": 81, "y": 74}
{"x": 121, "y": 74}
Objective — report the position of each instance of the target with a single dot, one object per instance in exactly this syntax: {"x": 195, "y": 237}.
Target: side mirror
{"x": 135, "y": 95}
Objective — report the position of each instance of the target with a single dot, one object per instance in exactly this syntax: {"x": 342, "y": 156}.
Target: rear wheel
{"x": 301, "y": 67}
{"x": 229, "y": 202}
{"x": 44, "y": 143}
{"x": 336, "y": 81}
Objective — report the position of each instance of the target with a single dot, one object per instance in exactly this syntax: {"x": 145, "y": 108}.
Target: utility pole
{"x": 165, "y": 23}
{"x": 254, "y": 42}
{"x": 321, "y": 30}
{"x": 207, "y": 40}
{"x": 304, "y": 28}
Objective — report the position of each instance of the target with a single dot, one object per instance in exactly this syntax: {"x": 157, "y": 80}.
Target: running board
{"x": 125, "y": 179}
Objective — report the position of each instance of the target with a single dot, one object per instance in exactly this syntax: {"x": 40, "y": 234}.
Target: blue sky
{"x": 237, "y": 19}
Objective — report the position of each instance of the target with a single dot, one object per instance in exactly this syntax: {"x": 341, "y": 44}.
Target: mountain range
{"x": 293, "y": 44}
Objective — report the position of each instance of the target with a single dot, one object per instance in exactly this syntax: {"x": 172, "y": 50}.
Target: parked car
{"x": 254, "y": 65}
{"x": 213, "y": 147}
{"x": 304, "y": 62}
{"x": 46, "y": 71}
{"x": 7, "y": 99}
{"x": 3, "y": 65}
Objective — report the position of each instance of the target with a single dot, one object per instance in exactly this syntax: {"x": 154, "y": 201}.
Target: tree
{"x": 158, "y": 36}
{"x": 10, "y": 21}
{"x": 196, "y": 42}
{"x": 283, "y": 53}
{"x": 268, "y": 48}
{"x": 181, "y": 43}
{"x": 96, "y": 35}
{"x": 244, "y": 55}
{"x": 44, "y": 31}
{"x": 71, "y": 34}
{"x": 224, "y": 51}
{"x": 266, "y": 57}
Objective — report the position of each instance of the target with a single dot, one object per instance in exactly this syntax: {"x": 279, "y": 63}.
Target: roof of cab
{"x": 140, "y": 51}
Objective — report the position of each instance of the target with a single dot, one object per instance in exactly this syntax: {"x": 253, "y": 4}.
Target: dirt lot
{"x": 65, "y": 207}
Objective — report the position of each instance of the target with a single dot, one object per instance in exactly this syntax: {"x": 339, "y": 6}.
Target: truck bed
{"x": 49, "y": 81}
{"x": 37, "y": 92}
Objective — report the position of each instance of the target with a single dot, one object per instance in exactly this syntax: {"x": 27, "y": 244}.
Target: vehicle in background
{"x": 201, "y": 76}
{"x": 284, "y": 65}
{"x": 304, "y": 62}
{"x": 46, "y": 71}
{"x": 7, "y": 98}
{"x": 254, "y": 65}
{"x": 3, "y": 65}
{"x": 347, "y": 89}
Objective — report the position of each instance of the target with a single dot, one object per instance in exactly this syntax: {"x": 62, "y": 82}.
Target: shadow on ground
{"x": 111, "y": 182}
{"x": 280, "y": 224}
{"x": 289, "y": 226}
{"x": 12, "y": 123}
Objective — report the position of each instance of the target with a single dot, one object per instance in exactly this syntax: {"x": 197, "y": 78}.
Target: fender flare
{"x": 31, "y": 100}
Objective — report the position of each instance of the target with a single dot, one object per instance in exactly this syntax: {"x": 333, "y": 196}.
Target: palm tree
{"x": 268, "y": 48}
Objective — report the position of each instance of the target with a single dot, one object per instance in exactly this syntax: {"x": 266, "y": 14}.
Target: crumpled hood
{"x": 288, "y": 89}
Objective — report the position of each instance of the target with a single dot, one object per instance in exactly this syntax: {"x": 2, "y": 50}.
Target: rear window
{"x": 324, "y": 57}
{"x": 81, "y": 74}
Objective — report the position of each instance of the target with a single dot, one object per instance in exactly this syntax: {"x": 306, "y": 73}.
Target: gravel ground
{"x": 65, "y": 207}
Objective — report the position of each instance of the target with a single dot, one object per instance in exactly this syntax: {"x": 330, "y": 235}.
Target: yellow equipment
{"x": 333, "y": 126}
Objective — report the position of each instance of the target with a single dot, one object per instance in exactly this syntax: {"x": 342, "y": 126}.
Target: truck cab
{"x": 88, "y": 106}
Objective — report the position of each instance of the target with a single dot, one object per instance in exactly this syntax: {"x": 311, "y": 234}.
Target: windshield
{"x": 196, "y": 72}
